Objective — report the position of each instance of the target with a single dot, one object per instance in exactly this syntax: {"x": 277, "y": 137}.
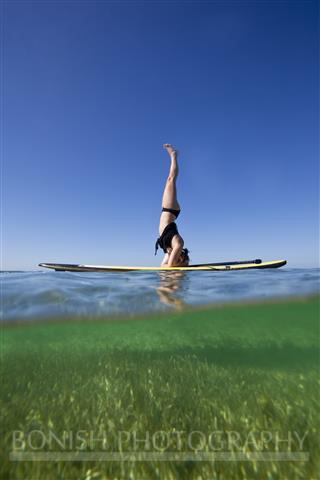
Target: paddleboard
{"x": 222, "y": 266}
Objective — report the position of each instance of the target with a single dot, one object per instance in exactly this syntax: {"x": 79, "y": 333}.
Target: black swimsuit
{"x": 171, "y": 210}
{"x": 167, "y": 235}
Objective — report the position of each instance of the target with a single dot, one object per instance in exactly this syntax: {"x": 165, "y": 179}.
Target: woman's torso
{"x": 165, "y": 219}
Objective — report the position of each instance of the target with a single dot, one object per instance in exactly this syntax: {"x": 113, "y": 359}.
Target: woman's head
{"x": 184, "y": 256}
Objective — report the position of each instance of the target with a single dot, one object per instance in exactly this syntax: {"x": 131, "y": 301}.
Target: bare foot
{"x": 170, "y": 149}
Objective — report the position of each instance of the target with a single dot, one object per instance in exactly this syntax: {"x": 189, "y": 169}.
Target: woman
{"x": 170, "y": 241}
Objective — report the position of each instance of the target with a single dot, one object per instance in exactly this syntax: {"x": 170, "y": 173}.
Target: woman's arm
{"x": 164, "y": 262}
{"x": 177, "y": 246}
{"x": 175, "y": 256}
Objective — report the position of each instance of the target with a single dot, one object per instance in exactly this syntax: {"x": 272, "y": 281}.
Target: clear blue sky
{"x": 91, "y": 92}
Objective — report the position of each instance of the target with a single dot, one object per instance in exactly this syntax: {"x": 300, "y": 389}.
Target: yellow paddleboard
{"x": 240, "y": 265}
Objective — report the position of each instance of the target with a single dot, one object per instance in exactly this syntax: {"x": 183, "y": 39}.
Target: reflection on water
{"x": 170, "y": 284}
{"x": 28, "y": 295}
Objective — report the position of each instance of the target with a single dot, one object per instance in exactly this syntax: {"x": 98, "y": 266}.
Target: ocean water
{"x": 39, "y": 294}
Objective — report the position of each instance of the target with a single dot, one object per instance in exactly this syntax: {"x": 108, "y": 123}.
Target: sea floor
{"x": 221, "y": 392}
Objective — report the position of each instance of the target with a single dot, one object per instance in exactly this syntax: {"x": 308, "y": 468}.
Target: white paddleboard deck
{"x": 241, "y": 265}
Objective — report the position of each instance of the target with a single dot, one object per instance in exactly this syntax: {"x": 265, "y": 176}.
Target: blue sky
{"x": 91, "y": 91}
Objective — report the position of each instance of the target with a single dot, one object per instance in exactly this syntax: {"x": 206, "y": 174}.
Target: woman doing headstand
{"x": 170, "y": 241}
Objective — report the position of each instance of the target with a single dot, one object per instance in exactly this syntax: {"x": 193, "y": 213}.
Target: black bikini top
{"x": 167, "y": 235}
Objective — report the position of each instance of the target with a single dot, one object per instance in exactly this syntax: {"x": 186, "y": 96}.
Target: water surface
{"x": 33, "y": 294}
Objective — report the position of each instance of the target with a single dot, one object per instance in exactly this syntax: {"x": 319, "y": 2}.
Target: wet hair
{"x": 185, "y": 255}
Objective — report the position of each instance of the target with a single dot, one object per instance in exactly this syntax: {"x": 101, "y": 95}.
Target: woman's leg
{"x": 169, "y": 199}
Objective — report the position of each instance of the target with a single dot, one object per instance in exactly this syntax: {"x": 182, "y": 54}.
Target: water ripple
{"x": 28, "y": 295}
